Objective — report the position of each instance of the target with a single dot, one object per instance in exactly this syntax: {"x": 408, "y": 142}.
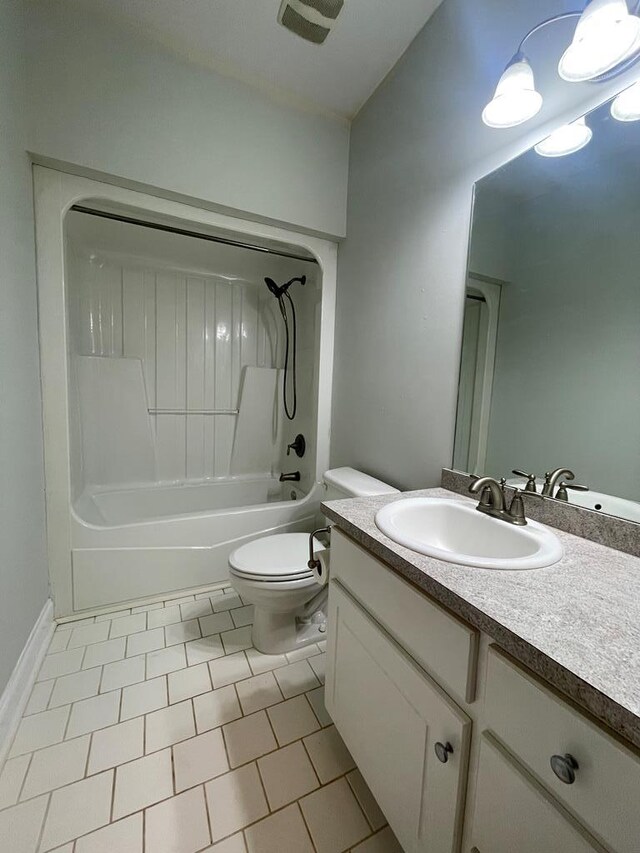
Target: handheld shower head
{"x": 286, "y": 306}
{"x": 273, "y": 287}
{"x": 279, "y": 291}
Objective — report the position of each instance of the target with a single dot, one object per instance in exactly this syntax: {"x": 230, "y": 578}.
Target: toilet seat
{"x": 274, "y": 559}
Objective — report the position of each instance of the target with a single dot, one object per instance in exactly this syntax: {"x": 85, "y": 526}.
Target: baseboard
{"x": 16, "y": 694}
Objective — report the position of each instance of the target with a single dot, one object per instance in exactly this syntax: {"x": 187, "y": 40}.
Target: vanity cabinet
{"x": 409, "y": 739}
{"x": 513, "y": 813}
{"x": 458, "y": 767}
{"x": 539, "y": 728}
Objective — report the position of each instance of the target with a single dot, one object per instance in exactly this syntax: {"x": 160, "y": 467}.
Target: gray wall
{"x": 23, "y": 570}
{"x": 565, "y": 389}
{"x": 108, "y": 99}
{"x": 416, "y": 149}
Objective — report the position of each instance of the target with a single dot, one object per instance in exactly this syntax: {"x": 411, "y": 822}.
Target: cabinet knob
{"x": 443, "y": 750}
{"x": 564, "y": 766}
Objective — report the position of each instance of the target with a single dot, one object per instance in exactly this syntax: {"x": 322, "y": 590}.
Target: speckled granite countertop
{"x": 576, "y": 624}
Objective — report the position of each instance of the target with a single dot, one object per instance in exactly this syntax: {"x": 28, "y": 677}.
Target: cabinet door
{"x": 513, "y": 813}
{"x": 391, "y": 715}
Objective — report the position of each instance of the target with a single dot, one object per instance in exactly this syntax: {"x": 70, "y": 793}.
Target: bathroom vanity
{"x": 489, "y": 711}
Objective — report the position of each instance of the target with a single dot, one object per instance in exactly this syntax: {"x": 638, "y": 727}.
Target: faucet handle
{"x": 561, "y": 494}
{"x": 530, "y": 478}
{"x": 516, "y": 509}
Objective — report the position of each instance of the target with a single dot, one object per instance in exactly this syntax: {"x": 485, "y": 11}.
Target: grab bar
{"x": 193, "y": 411}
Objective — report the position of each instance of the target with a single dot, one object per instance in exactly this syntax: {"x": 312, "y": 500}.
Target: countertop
{"x": 576, "y": 624}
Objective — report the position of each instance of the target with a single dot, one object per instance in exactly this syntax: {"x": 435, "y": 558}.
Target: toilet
{"x": 272, "y": 573}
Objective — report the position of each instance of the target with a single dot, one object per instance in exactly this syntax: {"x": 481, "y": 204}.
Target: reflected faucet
{"x": 552, "y": 477}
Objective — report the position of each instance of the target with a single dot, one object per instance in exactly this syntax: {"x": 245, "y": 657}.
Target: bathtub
{"x": 150, "y": 540}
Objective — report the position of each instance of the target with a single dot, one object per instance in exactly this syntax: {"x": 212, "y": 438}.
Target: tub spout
{"x": 294, "y": 477}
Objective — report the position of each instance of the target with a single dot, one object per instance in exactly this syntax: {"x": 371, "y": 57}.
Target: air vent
{"x": 310, "y": 19}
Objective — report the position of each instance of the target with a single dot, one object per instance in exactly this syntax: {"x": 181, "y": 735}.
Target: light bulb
{"x": 566, "y": 139}
{"x": 606, "y": 35}
{"x": 626, "y": 107}
{"x": 516, "y": 99}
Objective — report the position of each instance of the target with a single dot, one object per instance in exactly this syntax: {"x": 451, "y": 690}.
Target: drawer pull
{"x": 443, "y": 750}
{"x": 564, "y": 766}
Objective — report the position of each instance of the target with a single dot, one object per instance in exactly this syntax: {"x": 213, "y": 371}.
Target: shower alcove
{"x": 162, "y": 368}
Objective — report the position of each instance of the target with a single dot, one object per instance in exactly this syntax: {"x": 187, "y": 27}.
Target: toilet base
{"x": 278, "y": 633}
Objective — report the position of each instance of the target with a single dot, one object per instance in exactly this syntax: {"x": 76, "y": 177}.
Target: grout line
{"x": 308, "y": 754}
{"x": 24, "y": 780}
{"x": 211, "y": 638}
{"x": 113, "y": 796}
{"x": 45, "y": 818}
{"x": 307, "y": 827}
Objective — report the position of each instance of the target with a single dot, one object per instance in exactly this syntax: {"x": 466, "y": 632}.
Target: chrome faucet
{"x": 492, "y": 500}
{"x": 552, "y": 477}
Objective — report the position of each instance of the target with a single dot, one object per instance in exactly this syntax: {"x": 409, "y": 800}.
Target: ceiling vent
{"x": 310, "y": 19}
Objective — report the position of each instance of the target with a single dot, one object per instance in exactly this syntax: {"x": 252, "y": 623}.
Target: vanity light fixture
{"x": 626, "y": 107}
{"x": 606, "y": 36}
{"x": 605, "y": 43}
{"x": 566, "y": 139}
{"x": 516, "y": 99}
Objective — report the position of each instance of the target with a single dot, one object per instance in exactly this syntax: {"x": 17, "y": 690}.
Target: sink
{"x": 456, "y": 532}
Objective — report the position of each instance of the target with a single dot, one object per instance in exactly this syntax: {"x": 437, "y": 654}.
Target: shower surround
{"x": 171, "y": 349}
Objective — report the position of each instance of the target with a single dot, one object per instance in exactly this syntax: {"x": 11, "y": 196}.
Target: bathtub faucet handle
{"x": 299, "y": 445}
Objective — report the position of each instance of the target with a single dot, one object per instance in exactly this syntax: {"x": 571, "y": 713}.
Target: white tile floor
{"x": 161, "y": 730}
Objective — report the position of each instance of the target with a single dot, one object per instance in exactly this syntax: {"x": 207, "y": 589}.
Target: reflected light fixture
{"x": 566, "y": 139}
{"x": 626, "y": 107}
{"x": 605, "y": 43}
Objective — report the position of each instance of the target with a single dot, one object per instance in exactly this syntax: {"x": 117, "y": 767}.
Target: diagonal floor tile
{"x": 199, "y": 759}
{"x": 168, "y": 726}
{"x": 279, "y": 832}
{"x": 248, "y": 738}
{"x": 216, "y": 708}
{"x": 40, "y": 730}
{"x": 78, "y": 809}
{"x": 235, "y": 800}
{"x": 142, "y": 783}
{"x": 56, "y": 766}
{"x": 287, "y": 775}
{"x": 178, "y": 825}
{"x": 22, "y": 825}
{"x": 321, "y": 809}
{"x": 124, "y": 836}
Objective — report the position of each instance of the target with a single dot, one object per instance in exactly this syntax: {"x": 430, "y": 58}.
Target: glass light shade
{"x": 515, "y": 100}
{"x": 626, "y": 107}
{"x": 606, "y": 36}
{"x": 565, "y": 140}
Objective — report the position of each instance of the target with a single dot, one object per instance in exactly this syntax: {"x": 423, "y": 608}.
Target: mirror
{"x": 550, "y": 367}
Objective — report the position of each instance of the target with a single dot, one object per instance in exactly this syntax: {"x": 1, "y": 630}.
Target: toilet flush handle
{"x": 313, "y": 563}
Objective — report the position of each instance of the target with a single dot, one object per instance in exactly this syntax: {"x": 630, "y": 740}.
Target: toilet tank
{"x": 346, "y": 482}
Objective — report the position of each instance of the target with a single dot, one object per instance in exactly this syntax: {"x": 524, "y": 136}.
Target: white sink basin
{"x": 456, "y": 532}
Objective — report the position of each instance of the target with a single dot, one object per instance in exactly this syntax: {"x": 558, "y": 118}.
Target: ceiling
{"x": 242, "y": 38}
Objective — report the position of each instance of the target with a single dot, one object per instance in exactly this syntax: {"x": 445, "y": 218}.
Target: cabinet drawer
{"x": 513, "y": 813}
{"x": 393, "y": 718}
{"x": 535, "y": 724}
{"x": 443, "y": 645}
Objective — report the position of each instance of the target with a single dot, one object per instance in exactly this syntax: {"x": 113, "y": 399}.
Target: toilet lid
{"x": 274, "y": 557}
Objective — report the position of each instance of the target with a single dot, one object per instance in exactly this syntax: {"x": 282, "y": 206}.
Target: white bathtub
{"x": 151, "y": 501}
{"x": 146, "y": 541}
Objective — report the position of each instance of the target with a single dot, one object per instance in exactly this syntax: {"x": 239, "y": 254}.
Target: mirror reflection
{"x": 550, "y": 367}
